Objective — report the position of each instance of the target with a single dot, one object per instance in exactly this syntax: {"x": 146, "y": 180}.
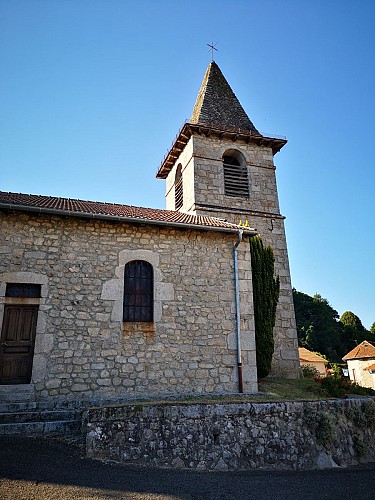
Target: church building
{"x": 101, "y": 300}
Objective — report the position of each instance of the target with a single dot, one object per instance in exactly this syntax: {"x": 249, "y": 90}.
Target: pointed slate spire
{"x": 217, "y": 105}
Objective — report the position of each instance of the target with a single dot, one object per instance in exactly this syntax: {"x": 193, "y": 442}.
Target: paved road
{"x": 48, "y": 470}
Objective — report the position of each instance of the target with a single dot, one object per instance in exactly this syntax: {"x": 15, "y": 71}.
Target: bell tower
{"x": 220, "y": 165}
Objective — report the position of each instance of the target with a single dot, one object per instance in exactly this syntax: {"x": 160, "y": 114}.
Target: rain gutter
{"x": 238, "y": 318}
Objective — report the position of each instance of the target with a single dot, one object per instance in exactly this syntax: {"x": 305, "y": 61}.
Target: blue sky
{"x": 92, "y": 94}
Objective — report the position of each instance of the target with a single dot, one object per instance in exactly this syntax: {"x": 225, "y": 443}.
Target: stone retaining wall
{"x": 292, "y": 435}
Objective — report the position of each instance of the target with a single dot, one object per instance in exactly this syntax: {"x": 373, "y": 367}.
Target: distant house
{"x": 308, "y": 358}
{"x": 361, "y": 364}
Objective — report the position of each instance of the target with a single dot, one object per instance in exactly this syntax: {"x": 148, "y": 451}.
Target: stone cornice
{"x": 189, "y": 129}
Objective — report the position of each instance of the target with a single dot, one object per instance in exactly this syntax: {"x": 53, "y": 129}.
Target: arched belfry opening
{"x": 236, "y": 178}
{"x": 178, "y": 188}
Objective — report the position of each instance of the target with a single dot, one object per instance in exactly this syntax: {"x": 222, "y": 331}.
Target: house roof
{"x": 306, "y": 355}
{"x": 371, "y": 367}
{"x": 364, "y": 350}
{"x": 217, "y": 105}
{"x": 113, "y": 211}
{"x": 217, "y": 112}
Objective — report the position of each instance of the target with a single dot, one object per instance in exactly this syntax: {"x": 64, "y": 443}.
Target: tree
{"x": 266, "y": 295}
{"x": 350, "y": 319}
{"x": 321, "y": 330}
{"x": 371, "y": 334}
{"x": 318, "y": 325}
{"x": 353, "y": 331}
{"x": 353, "y": 323}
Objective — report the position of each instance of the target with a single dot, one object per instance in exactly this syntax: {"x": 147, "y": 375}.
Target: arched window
{"x": 236, "y": 181}
{"x": 178, "y": 189}
{"x": 138, "y": 291}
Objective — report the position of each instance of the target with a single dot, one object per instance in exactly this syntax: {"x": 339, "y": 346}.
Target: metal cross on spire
{"x": 212, "y": 48}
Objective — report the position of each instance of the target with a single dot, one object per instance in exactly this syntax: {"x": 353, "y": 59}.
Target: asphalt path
{"x": 46, "y": 470}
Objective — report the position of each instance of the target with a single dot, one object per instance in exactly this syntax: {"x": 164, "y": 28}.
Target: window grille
{"x": 236, "y": 181}
{"x": 138, "y": 291}
{"x": 178, "y": 189}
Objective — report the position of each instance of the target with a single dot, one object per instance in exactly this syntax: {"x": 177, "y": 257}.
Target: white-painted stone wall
{"x": 359, "y": 374}
{"x": 84, "y": 350}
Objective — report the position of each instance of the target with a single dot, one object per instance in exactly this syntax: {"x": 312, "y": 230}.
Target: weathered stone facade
{"x": 78, "y": 251}
{"x": 204, "y": 194}
{"x": 83, "y": 349}
{"x": 292, "y": 435}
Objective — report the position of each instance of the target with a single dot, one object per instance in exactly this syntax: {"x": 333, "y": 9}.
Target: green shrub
{"x": 308, "y": 371}
{"x": 360, "y": 446}
{"x": 368, "y": 409}
{"x": 336, "y": 368}
{"x": 336, "y": 386}
{"x": 322, "y": 424}
{"x": 266, "y": 295}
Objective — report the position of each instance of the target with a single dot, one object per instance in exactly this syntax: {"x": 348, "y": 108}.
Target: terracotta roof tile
{"x": 306, "y": 355}
{"x": 73, "y": 207}
{"x": 371, "y": 367}
{"x": 363, "y": 350}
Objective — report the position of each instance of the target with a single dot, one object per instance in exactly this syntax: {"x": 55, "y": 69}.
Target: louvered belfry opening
{"x": 178, "y": 189}
{"x": 236, "y": 181}
{"x": 138, "y": 291}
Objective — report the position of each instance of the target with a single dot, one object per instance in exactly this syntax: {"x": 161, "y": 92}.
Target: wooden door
{"x": 17, "y": 343}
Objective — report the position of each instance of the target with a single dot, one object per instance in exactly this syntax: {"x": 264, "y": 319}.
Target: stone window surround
{"x": 43, "y": 341}
{"x": 242, "y": 169}
{"x": 113, "y": 289}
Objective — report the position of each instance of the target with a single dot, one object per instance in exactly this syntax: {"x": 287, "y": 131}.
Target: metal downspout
{"x": 238, "y": 318}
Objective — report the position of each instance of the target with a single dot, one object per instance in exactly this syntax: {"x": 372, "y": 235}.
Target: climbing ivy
{"x": 266, "y": 295}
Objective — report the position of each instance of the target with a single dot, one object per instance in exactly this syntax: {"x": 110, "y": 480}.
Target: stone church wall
{"x": 84, "y": 350}
{"x": 285, "y": 360}
{"x": 209, "y": 175}
{"x": 203, "y": 176}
